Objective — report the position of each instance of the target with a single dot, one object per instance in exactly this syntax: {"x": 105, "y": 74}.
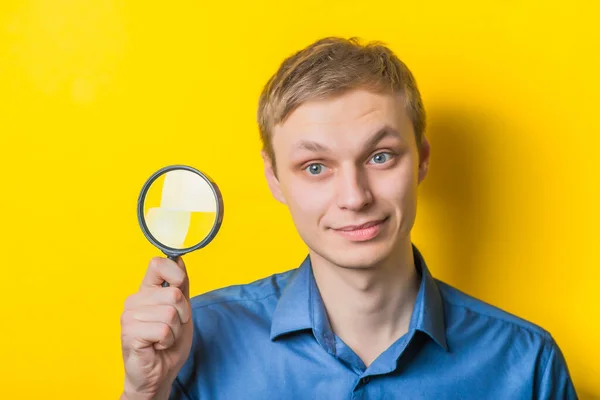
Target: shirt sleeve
{"x": 178, "y": 392}
{"x": 555, "y": 381}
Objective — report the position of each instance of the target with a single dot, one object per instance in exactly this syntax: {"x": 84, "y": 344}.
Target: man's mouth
{"x": 363, "y": 231}
{"x": 361, "y": 226}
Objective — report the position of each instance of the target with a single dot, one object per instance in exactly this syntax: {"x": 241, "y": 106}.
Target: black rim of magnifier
{"x": 170, "y": 251}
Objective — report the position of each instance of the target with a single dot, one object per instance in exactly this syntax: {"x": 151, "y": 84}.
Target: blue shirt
{"x": 271, "y": 339}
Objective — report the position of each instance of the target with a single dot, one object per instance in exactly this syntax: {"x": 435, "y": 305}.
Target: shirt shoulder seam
{"x": 537, "y": 330}
{"x": 223, "y": 301}
{"x": 552, "y": 351}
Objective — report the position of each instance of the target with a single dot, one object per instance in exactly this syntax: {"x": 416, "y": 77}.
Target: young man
{"x": 362, "y": 317}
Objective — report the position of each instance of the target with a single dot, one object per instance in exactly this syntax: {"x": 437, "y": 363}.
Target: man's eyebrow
{"x": 380, "y": 134}
{"x": 312, "y": 146}
{"x": 384, "y": 132}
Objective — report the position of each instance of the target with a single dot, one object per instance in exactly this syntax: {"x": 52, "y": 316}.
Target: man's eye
{"x": 381, "y": 158}
{"x": 315, "y": 169}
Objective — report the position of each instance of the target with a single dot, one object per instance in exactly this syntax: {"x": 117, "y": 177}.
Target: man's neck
{"x": 369, "y": 309}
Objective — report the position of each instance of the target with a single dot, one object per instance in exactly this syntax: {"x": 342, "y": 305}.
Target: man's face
{"x": 345, "y": 162}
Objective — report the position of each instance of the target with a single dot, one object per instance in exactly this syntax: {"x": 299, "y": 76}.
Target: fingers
{"x": 163, "y": 269}
{"x": 164, "y": 314}
{"x": 139, "y": 335}
{"x": 155, "y": 316}
{"x": 155, "y": 297}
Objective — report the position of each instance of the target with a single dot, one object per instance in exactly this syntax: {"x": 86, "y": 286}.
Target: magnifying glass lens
{"x": 180, "y": 209}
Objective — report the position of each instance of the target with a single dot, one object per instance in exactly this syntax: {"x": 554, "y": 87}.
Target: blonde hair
{"x": 330, "y": 67}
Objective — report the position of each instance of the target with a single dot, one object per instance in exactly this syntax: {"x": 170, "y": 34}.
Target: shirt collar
{"x": 293, "y": 311}
{"x": 300, "y": 307}
{"x": 428, "y": 312}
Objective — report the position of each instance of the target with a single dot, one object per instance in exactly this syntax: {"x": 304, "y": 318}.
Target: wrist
{"x": 126, "y": 395}
{"x": 161, "y": 394}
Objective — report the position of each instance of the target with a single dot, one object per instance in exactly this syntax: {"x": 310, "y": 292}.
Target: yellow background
{"x": 96, "y": 95}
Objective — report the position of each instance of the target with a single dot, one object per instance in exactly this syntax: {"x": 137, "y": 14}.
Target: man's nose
{"x": 353, "y": 191}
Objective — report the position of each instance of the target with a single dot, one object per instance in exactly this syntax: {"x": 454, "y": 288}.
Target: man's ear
{"x": 272, "y": 179}
{"x": 424, "y": 155}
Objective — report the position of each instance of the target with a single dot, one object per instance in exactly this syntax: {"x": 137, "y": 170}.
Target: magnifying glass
{"x": 180, "y": 209}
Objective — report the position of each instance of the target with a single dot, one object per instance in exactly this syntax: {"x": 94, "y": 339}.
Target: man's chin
{"x": 358, "y": 258}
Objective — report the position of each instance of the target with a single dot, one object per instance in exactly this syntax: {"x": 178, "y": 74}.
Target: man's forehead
{"x": 359, "y": 111}
{"x": 346, "y": 108}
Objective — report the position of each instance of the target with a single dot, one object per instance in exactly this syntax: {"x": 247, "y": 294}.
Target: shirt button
{"x": 366, "y": 380}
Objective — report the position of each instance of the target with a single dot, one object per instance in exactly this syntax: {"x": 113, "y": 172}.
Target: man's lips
{"x": 363, "y": 232}
{"x": 349, "y": 228}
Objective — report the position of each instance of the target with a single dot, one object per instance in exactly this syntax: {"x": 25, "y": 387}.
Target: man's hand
{"x": 156, "y": 331}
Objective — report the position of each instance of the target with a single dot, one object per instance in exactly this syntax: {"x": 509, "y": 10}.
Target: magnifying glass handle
{"x": 174, "y": 258}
